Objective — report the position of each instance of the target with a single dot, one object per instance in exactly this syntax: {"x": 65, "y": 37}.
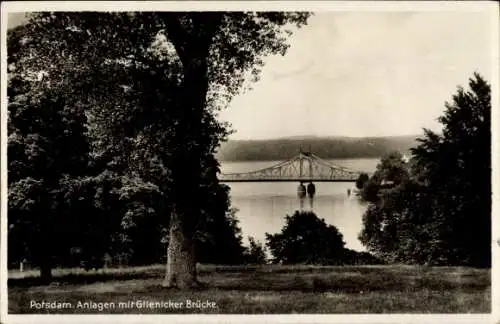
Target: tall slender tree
{"x": 456, "y": 170}
{"x": 217, "y": 48}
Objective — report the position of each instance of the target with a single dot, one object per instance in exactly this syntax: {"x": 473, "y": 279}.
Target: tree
{"x": 391, "y": 171}
{"x": 305, "y": 238}
{"x": 115, "y": 202}
{"x": 200, "y": 61}
{"x": 362, "y": 179}
{"x": 456, "y": 168}
{"x": 255, "y": 253}
{"x": 396, "y": 228}
{"x": 219, "y": 239}
{"x": 235, "y": 42}
{"x": 442, "y": 215}
{"x": 392, "y": 168}
{"x": 50, "y": 167}
{"x": 48, "y": 153}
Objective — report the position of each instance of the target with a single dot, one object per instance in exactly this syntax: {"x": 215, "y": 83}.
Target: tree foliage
{"x": 442, "y": 213}
{"x": 144, "y": 88}
{"x": 255, "y": 253}
{"x": 305, "y": 238}
{"x": 391, "y": 171}
{"x": 47, "y": 150}
{"x": 362, "y": 180}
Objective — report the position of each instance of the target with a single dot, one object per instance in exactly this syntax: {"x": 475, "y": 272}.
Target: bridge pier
{"x": 311, "y": 191}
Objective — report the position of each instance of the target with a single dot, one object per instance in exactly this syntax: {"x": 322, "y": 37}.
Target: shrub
{"x": 305, "y": 238}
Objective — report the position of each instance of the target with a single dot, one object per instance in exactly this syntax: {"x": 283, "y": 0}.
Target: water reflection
{"x": 263, "y": 206}
{"x": 310, "y": 203}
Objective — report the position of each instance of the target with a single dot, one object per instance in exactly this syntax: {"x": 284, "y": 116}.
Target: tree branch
{"x": 207, "y": 25}
{"x": 179, "y": 37}
{"x": 194, "y": 41}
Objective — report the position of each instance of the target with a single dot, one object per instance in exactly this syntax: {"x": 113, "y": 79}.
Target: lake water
{"x": 262, "y": 206}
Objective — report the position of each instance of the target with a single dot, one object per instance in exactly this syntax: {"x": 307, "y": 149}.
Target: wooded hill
{"x": 325, "y": 147}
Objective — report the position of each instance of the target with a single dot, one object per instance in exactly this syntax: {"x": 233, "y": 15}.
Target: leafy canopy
{"x": 305, "y": 238}
{"x": 441, "y": 214}
{"x": 102, "y": 88}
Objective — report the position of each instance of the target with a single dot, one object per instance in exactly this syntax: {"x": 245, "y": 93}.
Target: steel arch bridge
{"x": 303, "y": 167}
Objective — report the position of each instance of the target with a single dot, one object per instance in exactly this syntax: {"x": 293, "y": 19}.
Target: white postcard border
{"x": 30, "y": 6}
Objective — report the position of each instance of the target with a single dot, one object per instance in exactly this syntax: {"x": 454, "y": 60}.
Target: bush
{"x": 305, "y": 238}
{"x": 255, "y": 253}
{"x": 352, "y": 257}
{"x": 363, "y": 178}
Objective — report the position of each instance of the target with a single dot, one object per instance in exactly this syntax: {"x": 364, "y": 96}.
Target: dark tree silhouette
{"x": 305, "y": 238}
{"x": 391, "y": 171}
{"x": 48, "y": 155}
{"x": 442, "y": 215}
{"x": 255, "y": 253}
{"x": 184, "y": 66}
{"x": 361, "y": 181}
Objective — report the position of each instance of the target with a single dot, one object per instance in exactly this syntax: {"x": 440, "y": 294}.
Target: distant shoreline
{"x": 324, "y": 147}
{"x": 325, "y": 158}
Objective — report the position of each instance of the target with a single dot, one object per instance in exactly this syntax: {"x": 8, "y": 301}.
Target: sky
{"x": 365, "y": 74}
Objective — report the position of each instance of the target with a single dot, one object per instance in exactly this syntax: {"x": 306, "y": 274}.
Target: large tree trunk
{"x": 46, "y": 272}
{"x": 186, "y": 177}
{"x": 191, "y": 38}
{"x": 44, "y": 249}
{"x": 45, "y": 265}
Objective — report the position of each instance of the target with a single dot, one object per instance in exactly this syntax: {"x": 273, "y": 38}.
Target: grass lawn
{"x": 269, "y": 289}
